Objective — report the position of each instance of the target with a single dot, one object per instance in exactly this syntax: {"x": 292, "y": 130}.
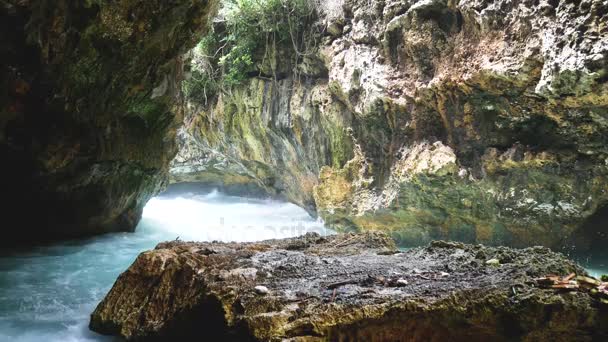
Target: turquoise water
{"x": 47, "y": 293}
{"x": 597, "y": 272}
{"x": 596, "y": 265}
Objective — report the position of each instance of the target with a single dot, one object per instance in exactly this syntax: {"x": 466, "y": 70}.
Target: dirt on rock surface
{"x": 349, "y": 287}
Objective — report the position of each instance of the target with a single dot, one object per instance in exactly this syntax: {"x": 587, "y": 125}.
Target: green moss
{"x": 340, "y": 145}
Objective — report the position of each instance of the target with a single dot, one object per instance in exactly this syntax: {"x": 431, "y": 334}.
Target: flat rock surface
{"x": 346, "y": 287}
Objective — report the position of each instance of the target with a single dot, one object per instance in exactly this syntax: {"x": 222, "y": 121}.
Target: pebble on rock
{"x": 401, "y": 282}
{"x": 493, "y": 262}
{"x": 261, "y": 290}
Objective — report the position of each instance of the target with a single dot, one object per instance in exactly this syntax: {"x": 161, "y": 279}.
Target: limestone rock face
{"x": 481, "y": 121}
{"x": 346, "y": 288}
{"x": 272, "y": 134}
{"x": 89, "y": 107}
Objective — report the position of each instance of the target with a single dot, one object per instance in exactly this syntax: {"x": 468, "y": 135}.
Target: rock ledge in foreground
{"x": 345, "y": 288}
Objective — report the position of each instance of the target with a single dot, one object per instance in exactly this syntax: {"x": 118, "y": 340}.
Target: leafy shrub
{"x": 244, "y": 36}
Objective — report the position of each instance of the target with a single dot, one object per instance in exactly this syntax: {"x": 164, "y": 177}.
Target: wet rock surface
{"x": 347, "y": 287}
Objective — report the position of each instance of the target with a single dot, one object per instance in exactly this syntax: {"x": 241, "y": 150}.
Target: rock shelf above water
{"x": 344, "y": 288}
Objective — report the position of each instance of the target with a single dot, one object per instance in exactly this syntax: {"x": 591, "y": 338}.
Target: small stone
{"x": 493, "y": 262}
{"x": 444, "y": 274}
{"x": 261, "y": 290}
{"x": 401, "y": 282}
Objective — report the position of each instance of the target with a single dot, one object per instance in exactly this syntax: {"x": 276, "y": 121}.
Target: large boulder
{"x": 347, "y": 288}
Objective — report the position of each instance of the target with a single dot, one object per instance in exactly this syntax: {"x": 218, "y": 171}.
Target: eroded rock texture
{"x": 481, "y": 121}
{"x": 88, "y": 110}
{"x": 346, "y": 288}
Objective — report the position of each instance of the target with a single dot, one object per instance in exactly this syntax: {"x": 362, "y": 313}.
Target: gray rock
{"x": 360, "y": 302}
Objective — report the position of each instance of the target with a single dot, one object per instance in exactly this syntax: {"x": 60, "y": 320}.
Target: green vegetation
{"x": 247, "y": 38}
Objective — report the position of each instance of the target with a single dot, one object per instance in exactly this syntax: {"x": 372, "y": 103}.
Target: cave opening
{"x": 279, "y": 110}
{"x": 201, "y": 212}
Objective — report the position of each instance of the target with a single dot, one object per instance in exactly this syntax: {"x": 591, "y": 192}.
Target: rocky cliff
{"x": 347, "y": 288}
{"x": 480, "y": 121}
{"x": 89, "y": 107}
